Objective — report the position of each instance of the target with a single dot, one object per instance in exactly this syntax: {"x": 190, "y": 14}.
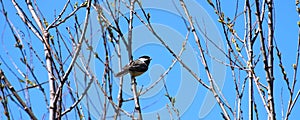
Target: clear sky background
{"x": 191, "y": 98}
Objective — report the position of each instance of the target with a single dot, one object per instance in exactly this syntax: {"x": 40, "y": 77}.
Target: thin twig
{"x": 12, "y": 89}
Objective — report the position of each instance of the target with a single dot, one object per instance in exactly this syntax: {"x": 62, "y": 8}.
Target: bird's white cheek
{"x": 143, "y": 59}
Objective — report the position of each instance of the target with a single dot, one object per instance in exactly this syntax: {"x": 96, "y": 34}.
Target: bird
{"x": 136, "y": 67}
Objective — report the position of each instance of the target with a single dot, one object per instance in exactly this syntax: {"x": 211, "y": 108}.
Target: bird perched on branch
{"x": 136, "y": 67}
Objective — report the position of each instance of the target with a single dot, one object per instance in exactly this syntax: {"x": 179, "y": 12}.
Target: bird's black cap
{"x": 145, "y": 57}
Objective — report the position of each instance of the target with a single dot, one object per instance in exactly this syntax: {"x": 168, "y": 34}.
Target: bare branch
{"x": 12, "y": 89}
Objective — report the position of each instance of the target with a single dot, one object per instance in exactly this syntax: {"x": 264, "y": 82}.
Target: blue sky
{"x": 190, "y": 96}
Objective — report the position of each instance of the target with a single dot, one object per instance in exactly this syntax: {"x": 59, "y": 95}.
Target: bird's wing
{"x": 138, "y": 67}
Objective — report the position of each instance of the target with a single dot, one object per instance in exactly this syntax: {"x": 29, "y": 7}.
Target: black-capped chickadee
{"x": 136, "y": 67}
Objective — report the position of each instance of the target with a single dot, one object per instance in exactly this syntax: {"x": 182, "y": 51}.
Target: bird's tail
{"x": 120, "y": 74}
